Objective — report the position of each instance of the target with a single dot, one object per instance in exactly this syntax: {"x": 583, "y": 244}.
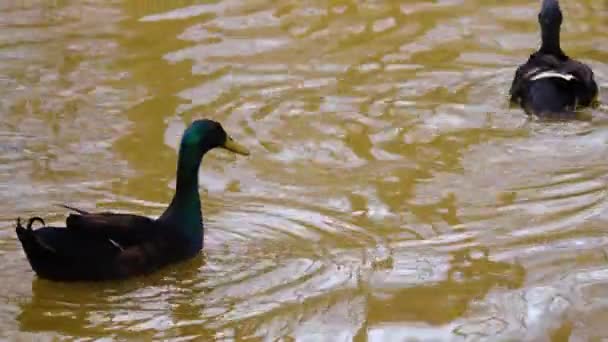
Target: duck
{"x": 106, "y": 245}
{"x": 550, "y": 84}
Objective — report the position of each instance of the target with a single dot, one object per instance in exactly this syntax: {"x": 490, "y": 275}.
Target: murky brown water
{"x": 391, "y": 193}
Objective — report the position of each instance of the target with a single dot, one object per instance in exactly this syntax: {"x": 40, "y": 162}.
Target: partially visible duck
{"x": 106, "y": 245}
{"x": 551, "y": 84}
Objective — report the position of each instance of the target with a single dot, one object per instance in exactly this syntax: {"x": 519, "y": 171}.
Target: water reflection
{"x": 470, "y": 276}
{"x": 142, "y": 308}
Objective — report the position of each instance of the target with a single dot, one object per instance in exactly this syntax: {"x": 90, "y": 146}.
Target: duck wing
{"x": 585, "y": 86}
{"x": 535, "y": 65}
{"x": 123, "y": 229}
{"x": 139, "y": 244}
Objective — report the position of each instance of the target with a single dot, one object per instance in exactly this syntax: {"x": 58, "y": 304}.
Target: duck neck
{"x": 550, "y": 41}
{"x": 184, "y": 212}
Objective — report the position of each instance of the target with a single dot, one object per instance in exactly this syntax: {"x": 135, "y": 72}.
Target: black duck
{"x": 551, "y": 84}
{"x": 106, "y": 245}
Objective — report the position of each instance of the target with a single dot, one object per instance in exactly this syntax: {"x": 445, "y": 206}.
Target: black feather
{"x": 80, "y": 211}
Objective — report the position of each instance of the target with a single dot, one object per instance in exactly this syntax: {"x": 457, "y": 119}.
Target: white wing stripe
{"x": 116, "y": 244}
{"x": 552, "y": 74}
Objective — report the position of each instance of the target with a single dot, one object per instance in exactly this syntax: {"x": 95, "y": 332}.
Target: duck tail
{"x": 28, "y": 237}
{"x": 544, "y": 99}
{"x": 21, "y": 231}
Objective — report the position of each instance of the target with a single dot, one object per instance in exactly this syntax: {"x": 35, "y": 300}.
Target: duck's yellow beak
{"x": 235, "y": 147}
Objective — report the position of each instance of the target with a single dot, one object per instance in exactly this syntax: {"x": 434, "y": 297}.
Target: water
{"x": 391, "y": 194}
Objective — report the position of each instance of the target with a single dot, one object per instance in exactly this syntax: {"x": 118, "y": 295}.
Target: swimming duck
{"x": 106, "y": 245}
{"x": 550, "y": 84}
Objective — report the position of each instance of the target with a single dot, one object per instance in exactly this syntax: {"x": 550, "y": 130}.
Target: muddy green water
{"x": 391, "y": 193}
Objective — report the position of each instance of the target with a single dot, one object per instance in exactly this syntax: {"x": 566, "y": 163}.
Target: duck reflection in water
{"x": 135, "y": 308}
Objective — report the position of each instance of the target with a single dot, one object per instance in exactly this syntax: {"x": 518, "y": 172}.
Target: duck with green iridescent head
{"x": 107, "y": 245}
{"x": 551, "y": 84}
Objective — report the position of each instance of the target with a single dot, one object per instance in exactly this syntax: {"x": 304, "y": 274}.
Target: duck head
{"x": 550, "y": 20}
{"x": 199, "y": 138}
{"x": 184, "y": 211}
{"x": 204, "y": 135}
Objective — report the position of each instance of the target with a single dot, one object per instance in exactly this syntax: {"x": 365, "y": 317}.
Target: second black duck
{"x": 551, "y": 84}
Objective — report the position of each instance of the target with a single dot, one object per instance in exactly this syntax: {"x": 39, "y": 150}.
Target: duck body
{"x": 105, "y": 246}
{"x": 551, "y": 84}
{"x": 110, "y": 246}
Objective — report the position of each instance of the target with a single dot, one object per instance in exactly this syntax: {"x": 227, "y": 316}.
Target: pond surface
{"x": 392, "y": 194}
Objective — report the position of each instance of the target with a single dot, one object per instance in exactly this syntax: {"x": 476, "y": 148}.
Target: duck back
{"x": 549, "y": 85}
